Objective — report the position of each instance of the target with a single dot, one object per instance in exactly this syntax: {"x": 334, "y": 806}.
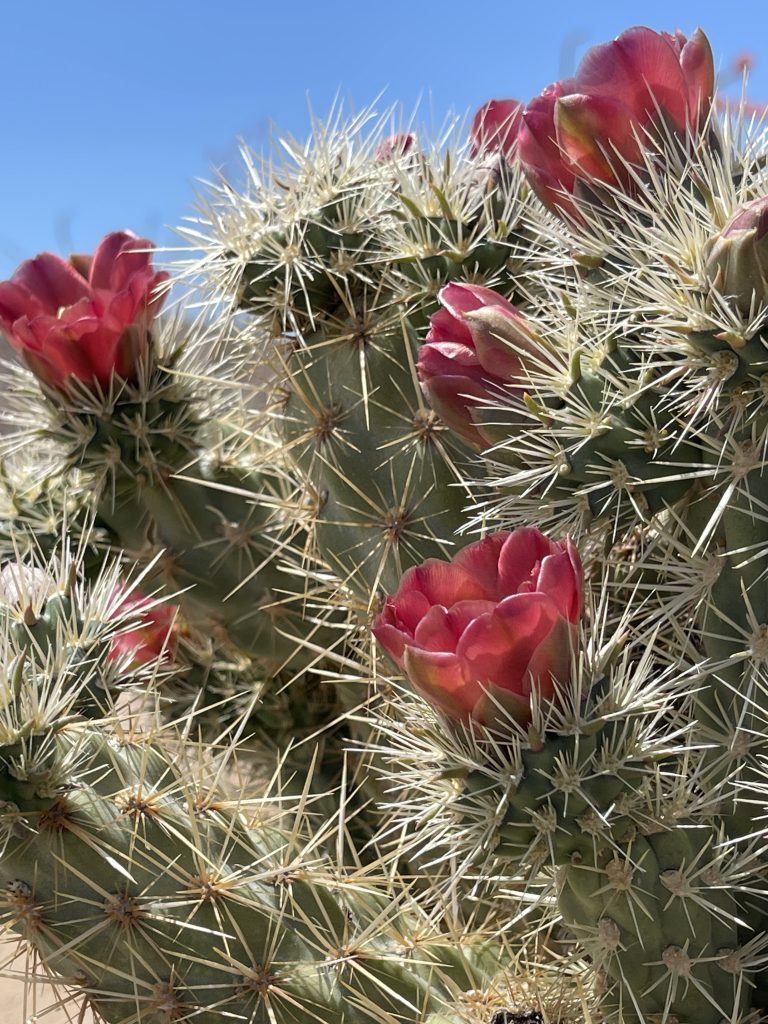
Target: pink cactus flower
{"x": 154, "y": 635}
{"x": 591, "y": 126}
{"x": 87, "y": 318}
{"x": 489, "y": 626}
{"x": 495, "y": 127}
{"x": 474, "y": 351}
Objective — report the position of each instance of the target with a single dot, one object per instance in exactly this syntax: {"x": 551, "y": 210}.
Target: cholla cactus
{"x": 551, "y": 335}
{"x": 159, "y": 895}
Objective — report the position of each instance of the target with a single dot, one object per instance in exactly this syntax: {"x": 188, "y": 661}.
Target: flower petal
{"x": 537, "y": 144}
{"x": 698, "y": 67}
{"x": 391, "y": 639}
{"x": 433, "y": 633}
{"x": 459, "y": 299}
{"x": 751, "y": 216}
{"x": 451, "y": 397}
{"x": 446, "y": 358}
{"x": 497, "y": 648}
{"x": 435, "y": 582}
{"x": 550, "y": 663}
{"x": 598, "y": 135}
{"x": 497, "y": 333}
{"x": 53, "y": 282}
{"x": 561, "y": 576}
{"x": 495, "y": 127}
{"x": 408, "y": 607}
{"x": 117, "y": 258}
{"x": 481, "y": 561}
{"x": 554, "y": 191}
{"x": 441, "y": 628}
{"x": 445, "y": 328}
{"x": 439, "y": 678}
{"x": 151, "y": 635}
{"x": 520, "y": 557}
{"x": 444, "y": 583}
{"x": 16, "y": 302}
{"x": 458, "y": 631}
{"x": 641, "y": 69}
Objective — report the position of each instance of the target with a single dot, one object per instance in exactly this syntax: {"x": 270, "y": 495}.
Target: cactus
{"x": 599, "y": 811}
{"x": 636, "y": 431}
{"x": 558, "y": 327}
{"x": 161, "y": 473}
{"x": 349, "y": 262}
{"x": 158, "y": 895}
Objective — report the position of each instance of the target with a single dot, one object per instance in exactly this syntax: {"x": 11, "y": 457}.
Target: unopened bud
{"x": 737, "y": 258}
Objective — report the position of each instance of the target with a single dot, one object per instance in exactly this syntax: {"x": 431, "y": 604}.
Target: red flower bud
{"x": 474, "y": 351}
{"x": 88, "y": 318}
{"x": 591, "y": 126}
{"x": 487, "y": 627}
{"x": 495, "y": 127}
{"x": 154, "y": 633}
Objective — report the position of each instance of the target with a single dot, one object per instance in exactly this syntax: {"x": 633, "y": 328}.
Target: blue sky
{"x": 113, "y": 109}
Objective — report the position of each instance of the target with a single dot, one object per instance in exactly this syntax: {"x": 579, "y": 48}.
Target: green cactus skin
{"x": 634, "y": 443}
{"x": 607, "y": 397}
{"x": 288, "y": 720}
{"x": 36, "y": 513}
{"x": 646, "y": 442}
{"x": 226, "y": 554}
{"x": 180, "y": 494}
{"x": 354, "y": 409}
{"x": 653, "y": 436}
{"x": 685, "y": 963}
{"x": 291, "y": 730}
{"x": 348, "y": 263}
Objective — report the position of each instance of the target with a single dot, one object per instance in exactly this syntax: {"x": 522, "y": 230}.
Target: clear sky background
{"x": 112, "y": 110}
